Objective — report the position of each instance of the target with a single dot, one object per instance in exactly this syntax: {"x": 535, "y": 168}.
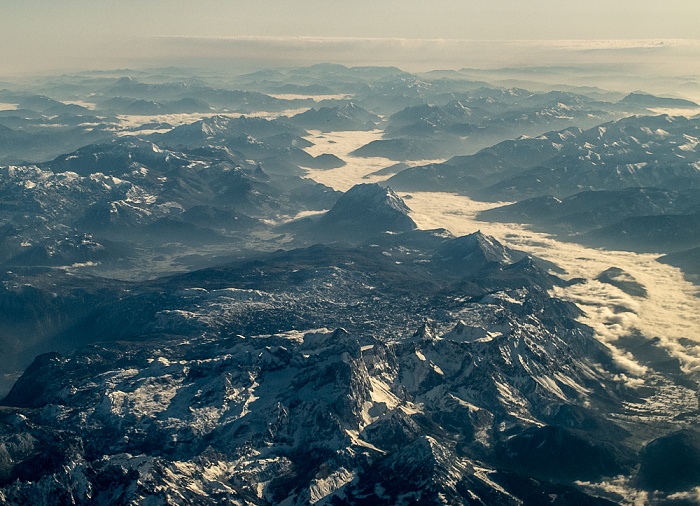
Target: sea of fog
{"x": 670, "y": 310}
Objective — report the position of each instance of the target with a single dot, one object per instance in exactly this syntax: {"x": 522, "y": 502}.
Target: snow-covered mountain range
{"x": 188, "y": 317}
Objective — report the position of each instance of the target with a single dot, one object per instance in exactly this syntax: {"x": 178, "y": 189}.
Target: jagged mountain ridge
{"x": 348, "y": 391}
{"x": 213, "y": 389}
{"x": 631, "y": 152}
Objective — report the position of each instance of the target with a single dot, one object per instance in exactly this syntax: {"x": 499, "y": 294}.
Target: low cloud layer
{"x": 669, "y": 312}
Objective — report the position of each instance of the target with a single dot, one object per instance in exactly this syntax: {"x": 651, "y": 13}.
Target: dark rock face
{"x": 561, "y": 453}
{"x": 471, "y": 253}
{"x": 622, "y": 280}
{"x": 325, "y": 161}
{"x": 28, "y": 391}
{"x": 671, "y": 463}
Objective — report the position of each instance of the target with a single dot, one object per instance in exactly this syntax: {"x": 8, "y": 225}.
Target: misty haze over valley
{"x": 351, "y": 266}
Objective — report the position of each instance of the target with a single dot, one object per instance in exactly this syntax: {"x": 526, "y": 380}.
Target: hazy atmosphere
{"x": 360, "y": 253}
{"x": 40, "y": 36}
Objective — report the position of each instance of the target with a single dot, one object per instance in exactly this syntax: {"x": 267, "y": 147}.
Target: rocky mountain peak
{"x": 366, "y": 210}
{"x": 470, "y": 253}
{"x": 425, "y": 332}
{"x": 370, "y": 198}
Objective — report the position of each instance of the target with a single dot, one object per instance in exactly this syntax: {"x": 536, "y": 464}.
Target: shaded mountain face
{"x": 473, "y": 252}
{"x": 636, "y": 219}
{"x": 622, "y": 280}
{"x": 21, "y": 143}
{"x": 396, "y": 149}
{"x": 586, "y": 211}
{"x": 364, "y": 211}
{"x": 646, "y": 101}
{"x": 554, "y": 451}
{"x": 633, "y": 152}
{"x": 482, "y": 118}
{"x": 218, "y": 129}
{"x": 666, "y": 233}
{"x": 339, "y": 118}
{"x": 38, "y": 103}
{"x": 680, "y": 453}
{"x": 688, "y": 261}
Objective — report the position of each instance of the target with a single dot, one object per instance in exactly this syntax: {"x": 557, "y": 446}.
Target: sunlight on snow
{"x": 670, "y": 311}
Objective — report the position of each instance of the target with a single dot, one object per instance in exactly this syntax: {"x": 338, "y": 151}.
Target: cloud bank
{"x": 669, "y": 311}
{"x": 416, "y": 54}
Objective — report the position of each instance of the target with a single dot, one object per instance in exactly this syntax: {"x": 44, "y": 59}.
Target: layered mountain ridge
{"x": 199, "y": 322}
{"x": 432, "y": 394}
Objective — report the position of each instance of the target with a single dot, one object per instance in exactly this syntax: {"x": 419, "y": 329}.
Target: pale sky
{"x": 41, "y": 35}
